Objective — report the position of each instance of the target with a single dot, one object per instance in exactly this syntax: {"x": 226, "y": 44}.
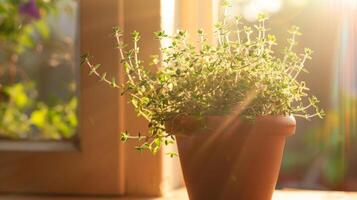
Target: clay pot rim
{"x": 270, "y": 118}
{"x": 269, "y": 124}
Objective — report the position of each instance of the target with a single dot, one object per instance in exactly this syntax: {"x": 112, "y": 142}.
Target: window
{"x": 97, "y": 163}
{"x": 76, "y": 168}
{"x": 38, "y": 70}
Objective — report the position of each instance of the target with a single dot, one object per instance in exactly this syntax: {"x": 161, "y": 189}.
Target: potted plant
{"x": 229, "y": 106}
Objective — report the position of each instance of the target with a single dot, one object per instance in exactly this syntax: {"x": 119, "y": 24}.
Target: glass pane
{"x": 38, "y": 69}
{"x": 322, "y": 154}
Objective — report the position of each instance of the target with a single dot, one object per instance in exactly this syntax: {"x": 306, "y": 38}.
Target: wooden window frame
{"x": 103, "y": 165}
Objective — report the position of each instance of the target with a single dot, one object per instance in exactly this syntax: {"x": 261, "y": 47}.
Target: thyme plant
{"x": 201, "y": 79}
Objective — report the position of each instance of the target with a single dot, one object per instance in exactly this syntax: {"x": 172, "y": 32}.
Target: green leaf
{"x": 18, "y": 95}
{"x": 93, "y": 70}
{"x": 172, "y": 154}
{"x": 124, "y": 136}
{"x": 39, "y": 117}
{"x": 114, "y": 84}
{"x": 103, "y": 77}
{"x": 42, "y": 29}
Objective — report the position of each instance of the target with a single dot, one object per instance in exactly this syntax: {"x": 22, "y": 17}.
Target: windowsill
{"x": 182, "y": 195}
{"x": 38, "y": 146}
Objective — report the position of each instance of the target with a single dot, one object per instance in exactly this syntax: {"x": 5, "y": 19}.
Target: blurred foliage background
{"x": 38, "y": 73}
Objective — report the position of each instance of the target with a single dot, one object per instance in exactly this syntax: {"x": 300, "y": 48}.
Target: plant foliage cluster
{"x": 240, "y": 73}
{"x": 23, "y": 115}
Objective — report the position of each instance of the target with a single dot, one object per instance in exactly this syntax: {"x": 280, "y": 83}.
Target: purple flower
{"x": 29, "y": 8}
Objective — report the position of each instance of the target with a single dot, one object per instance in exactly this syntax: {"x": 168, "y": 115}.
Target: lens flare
{"x": 344, "y": 87}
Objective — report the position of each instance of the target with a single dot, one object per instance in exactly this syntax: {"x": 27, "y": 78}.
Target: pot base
{"x": 241, "y": 162}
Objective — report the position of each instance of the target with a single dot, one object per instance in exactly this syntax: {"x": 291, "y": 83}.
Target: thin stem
{"x": 136, "y": 49}
{"x": 301, "y": 66}
{"x": 101, "y": 76}
{"x": 119, "y": 46}
{"x": 291, "y": 45}
{"x": 306, "y": 116}
{"x": 304, "y": 108}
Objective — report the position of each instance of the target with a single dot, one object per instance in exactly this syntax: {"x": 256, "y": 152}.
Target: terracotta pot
{"x": 229, "y": 159}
